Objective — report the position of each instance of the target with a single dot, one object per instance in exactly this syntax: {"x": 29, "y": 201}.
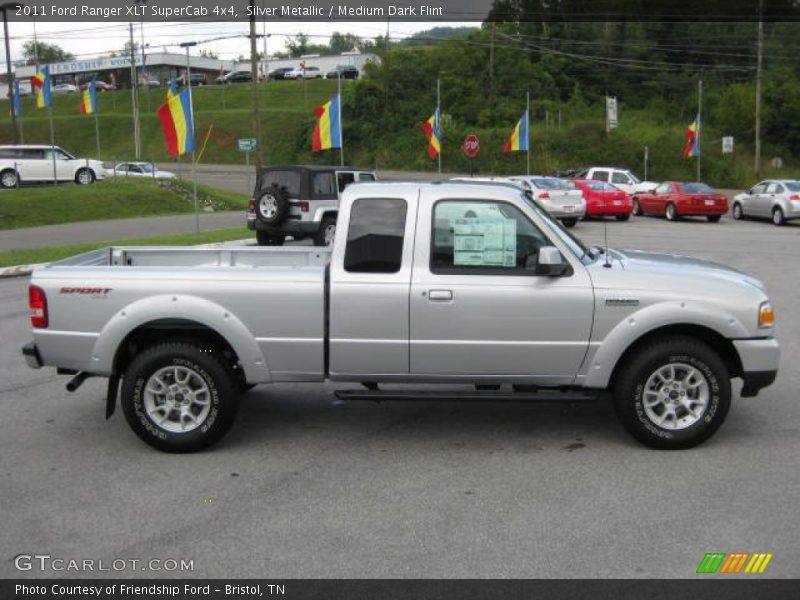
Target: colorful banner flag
{"x": 41, "y": 87}
{"x": 16, "y": 100}
{"x": 328, "y": 130}
{"x": 433, "y": 132}
{"x": 172, "y": 90}
{"x": 518, "y": 140}
{"x": 176, "y": 122}
{"x": 88, "y": 104}
{"x": 692, "y": 136}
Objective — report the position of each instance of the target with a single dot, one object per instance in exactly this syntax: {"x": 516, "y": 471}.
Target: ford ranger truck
{"x": 472, "y": 290}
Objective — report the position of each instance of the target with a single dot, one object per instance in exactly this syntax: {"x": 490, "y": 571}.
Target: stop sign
{"x": 471, "y": 145}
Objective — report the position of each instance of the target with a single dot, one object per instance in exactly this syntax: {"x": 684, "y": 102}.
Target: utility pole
{"x": 698, "y": 133}
{"x": 188, "y": 45}
{"x": 9, "y": 74}
{"x": 137, "y": 142}
{"x": 759, "y": 62}
{"x": 254, "y": 85}
{"x": 491, "y": 66}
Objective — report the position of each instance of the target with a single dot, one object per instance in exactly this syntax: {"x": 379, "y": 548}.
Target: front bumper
{"x": 32, "y": 357}
{"x": 760, "y": 359}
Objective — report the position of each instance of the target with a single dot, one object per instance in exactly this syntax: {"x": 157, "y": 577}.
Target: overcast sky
{"x": 86, "y": 40}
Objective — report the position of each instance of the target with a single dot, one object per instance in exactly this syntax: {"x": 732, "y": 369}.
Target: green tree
{"x": 44, "y": 53}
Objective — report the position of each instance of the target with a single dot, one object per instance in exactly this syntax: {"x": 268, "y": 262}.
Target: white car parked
{"x": 35, "y": 163}
{"x": 65, "y": 88}
{"x": 304, "y": 73}
{"x": 139, "y": 169}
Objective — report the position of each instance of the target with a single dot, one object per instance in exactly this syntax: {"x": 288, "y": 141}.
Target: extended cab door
{"x": 476, "y": 310}
{"x": 369, "y": 283}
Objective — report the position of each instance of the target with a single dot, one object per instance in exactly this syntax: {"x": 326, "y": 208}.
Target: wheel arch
{"x": 178, "y": 317}
{"x": 712, "y": 338}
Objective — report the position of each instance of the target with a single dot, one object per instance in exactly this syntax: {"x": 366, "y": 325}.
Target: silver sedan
{"x": 561, "y": 198}
{"x": 777, "y": 199}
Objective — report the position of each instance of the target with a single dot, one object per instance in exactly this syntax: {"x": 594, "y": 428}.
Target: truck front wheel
{"x": 180, "y": 396}
{"x": 673, "y": 393}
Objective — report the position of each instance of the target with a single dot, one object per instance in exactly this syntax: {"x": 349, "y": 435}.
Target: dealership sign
{"x": 96, "y": 64}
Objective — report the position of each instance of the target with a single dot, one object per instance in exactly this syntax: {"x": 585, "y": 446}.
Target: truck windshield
{"x": 575, "y": 245}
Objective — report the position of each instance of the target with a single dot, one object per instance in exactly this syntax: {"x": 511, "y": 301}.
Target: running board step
{"x": 465, "y": 396}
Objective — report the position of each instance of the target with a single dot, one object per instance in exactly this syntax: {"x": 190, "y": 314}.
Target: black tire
{"x": 267, "y": 239}
{"x": 569, "y": 222}
{"x": 272, "y": 205}
{"x": 637, "y": 209}
{"x": 209, "y": 368}
{"x": 641, "y": 366}
{"x": 713, "y": 218}
{"x": 9, "y": 179}
{"x": 623, "y": 217}
{"x": 778, "y": 218}
{"x": 327, "y": 230}
{"x": 671, "y": 212}
{"x": 737, "y": 211}
{"x": 85, "y": 176}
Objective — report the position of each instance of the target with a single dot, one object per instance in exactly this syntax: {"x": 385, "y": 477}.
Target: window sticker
{"x": 484, "y": 242}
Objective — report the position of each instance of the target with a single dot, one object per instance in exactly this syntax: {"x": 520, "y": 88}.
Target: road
{"x": 307, "y": 487}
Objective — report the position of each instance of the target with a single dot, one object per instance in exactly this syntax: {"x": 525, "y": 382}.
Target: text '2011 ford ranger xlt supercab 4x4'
{"x": 435, "y": 284}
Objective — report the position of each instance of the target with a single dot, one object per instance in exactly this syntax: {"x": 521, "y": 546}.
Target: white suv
{"x": 31, "y": 164}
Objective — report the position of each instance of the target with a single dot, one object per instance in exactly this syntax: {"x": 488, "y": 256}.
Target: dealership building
{"x": 166, "y": 66}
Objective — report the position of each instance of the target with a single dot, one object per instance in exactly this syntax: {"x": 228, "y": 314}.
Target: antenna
{"x": 606, "y": 264}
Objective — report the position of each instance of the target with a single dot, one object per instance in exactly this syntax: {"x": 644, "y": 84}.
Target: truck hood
{"x": 645, "y": 186}
{"x": 674, "y": 265}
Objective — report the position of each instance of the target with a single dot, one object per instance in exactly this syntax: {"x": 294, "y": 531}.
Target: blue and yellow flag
{"x": 176, "y": 122}
{"x": 89, "y": 99}
{"x": 328, "y": 130}
{"x": 41, "y": 86}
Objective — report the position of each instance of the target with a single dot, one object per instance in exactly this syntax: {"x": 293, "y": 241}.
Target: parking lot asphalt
{"x": 307, "y": 487}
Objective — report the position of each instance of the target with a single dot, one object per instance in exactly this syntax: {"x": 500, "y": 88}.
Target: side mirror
{"x": 549, "y": 262}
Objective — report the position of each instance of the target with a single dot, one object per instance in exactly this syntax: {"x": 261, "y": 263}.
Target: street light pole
{"x": 188, "y": 45}
{"x": 9, "y": 74}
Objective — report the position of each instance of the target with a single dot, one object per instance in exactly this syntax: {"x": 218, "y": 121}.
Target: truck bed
{"x": 268, "y": 303}
{"x": 172, "y": 256}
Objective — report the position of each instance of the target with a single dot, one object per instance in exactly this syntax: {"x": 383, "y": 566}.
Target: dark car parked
{"x": 196, "y": 79}
{"x": 345, "y": 71}
{"x": 279, "y": 73}
{"x": 235, "y": 77}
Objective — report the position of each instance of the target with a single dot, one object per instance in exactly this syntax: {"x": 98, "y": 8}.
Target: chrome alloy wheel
{"x": 268, "y": 206}
{"x": 9, "y": 179}
{"x": 676, "y": 396}
{"x": 177, "y": 399}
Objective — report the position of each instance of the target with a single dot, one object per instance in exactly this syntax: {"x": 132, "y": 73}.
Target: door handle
{"x": 440, "y": 295}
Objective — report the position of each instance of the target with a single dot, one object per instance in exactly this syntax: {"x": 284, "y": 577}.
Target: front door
{"x": 477, "y": 310}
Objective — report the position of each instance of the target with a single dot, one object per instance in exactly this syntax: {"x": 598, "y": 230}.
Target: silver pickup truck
{"x": 472, "y": 290}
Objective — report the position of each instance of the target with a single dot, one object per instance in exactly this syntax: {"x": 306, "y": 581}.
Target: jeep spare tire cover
{"x": 272, "y": 205}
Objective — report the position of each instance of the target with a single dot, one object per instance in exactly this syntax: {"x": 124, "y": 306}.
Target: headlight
{"x": 766, "y": 316}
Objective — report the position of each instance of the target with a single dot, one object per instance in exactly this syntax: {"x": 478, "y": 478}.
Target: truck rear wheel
{"x": 673, "y": 393}
{"x": 180, "y": 396}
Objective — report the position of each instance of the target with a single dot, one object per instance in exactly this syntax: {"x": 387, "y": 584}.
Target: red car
{"x": 675, "y": 199}
{"x": 603, "y": 199}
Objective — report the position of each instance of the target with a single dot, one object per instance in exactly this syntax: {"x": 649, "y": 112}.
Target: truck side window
{"x": 600, "y": 175}
{"x": 375, "y": 236}
{"x": 482, "y": 238}
{"x": 618, "y": 177}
